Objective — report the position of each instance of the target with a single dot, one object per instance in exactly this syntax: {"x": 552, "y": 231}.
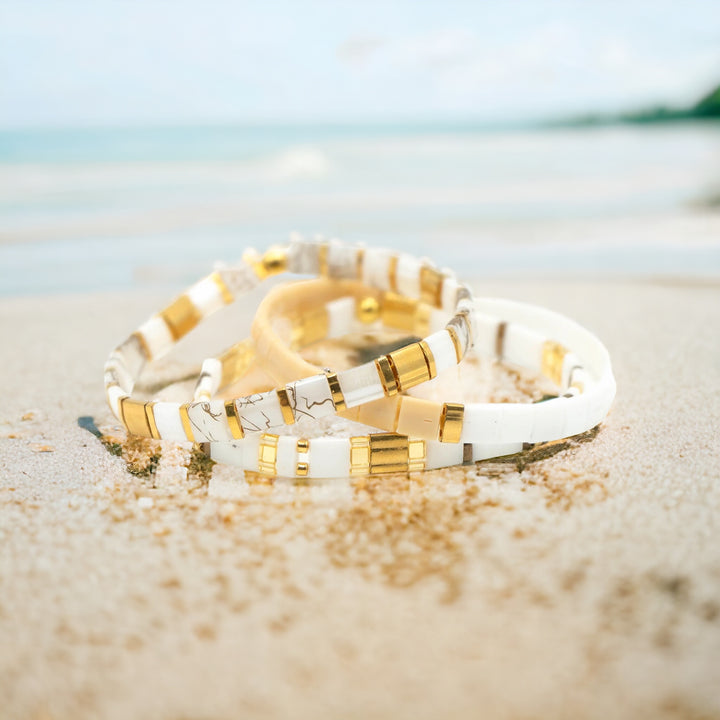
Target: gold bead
{"x": 368, "y": 310}
{"x": 274, "y": 261}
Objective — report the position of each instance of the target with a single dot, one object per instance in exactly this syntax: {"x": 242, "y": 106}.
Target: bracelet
{"x": 394, "y": 452}
{"x": 530, "y": 336}
{"x": 319, "y": 395}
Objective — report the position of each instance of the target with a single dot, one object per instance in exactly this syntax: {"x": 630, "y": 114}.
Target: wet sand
{"x": 581, "y": 585}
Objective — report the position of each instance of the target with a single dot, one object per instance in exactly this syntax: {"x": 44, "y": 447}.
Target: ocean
{"x": 116, "y": 208}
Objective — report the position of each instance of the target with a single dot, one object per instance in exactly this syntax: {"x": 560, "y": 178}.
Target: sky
{"x": 156, "y": 62}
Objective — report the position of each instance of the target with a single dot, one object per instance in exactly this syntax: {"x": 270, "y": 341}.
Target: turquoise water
{"x": 116, "y": 208}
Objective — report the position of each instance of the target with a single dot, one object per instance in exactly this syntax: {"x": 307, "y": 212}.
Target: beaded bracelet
{"x": 273, "y": 454}
{"x": 530, "y": 336}
{"x": 322, "y": 394}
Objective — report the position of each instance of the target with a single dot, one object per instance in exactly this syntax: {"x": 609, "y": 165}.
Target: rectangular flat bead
{"x": 443, "y": 454}
{"x": 134, "y": 417}
{"x": 360, "y": 384}
{"x": 167, "y": 419}
{"x": 206, "y": 296}
{"x": 418, "y": 418}
{"x": 311, "y": 397}
{"x": 523, "y": 346}
{"x": 181, "y": 316}
{"x": 341, "y": 316}
{"x": 329, "y": 458}
{"x": 259, "y": 412}
{"x": 156, "y": 336}
{"x": 375, "y": 268}
{"x": 342, "y": 261}
{"x": 486, "y": 328}
{"x": 408, "y": 275}
{"x": 448, "y": 294}
{"x": 443, "y": 350}
{"x": 209, "y": 422}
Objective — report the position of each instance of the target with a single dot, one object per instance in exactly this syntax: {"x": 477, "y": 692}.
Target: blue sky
{"x": 106, "y": 62}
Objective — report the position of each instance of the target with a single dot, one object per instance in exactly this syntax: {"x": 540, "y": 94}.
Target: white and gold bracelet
{"x": 321, "y": 394}
{"x": 520, "y": 334}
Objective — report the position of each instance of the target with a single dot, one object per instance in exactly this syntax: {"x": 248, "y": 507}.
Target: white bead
{"x": 360, "y": 384}
{"x": 157, "y": 336}
{"x": 114, "y": 395}
{"x": 168, "y": 422}
{"x": 329, "y": 458}
{"x": 304, "y": 257}
{"x": 408, "y": 275}
{"x": 206, "y": 297}
{"x": 259, "y": 412}
{"x": 443, "y": 454}
{"x": 448, "y": 293}
{"x": 523, "y": 347}
{"x": 286, "y": 456}
{"x": 342, "y": 260}
{"x": 486, "y": 329}
{"x": 341, "y": 314}
{"x": 443, "y": 350}
{"x": 311, "y": 397}
{"x": 376, "y": 266}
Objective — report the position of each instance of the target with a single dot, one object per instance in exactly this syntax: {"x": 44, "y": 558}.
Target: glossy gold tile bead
{"x": 233, "y": 420}
{"x": 225, "y": 294}
{"x": 134, "y": 417}
{"x": 431, "y": 281}
{"x": 301, "y": 469}
{"x": 388, "y": 453}
{"x": 302, "y": 445}
{"x": 274, "y": 261}
{"x": 367, "y": 310}
{"x": 360, "y": 455}
{"x": 187, "y": 425}
{"x": 150, "y": 415}
{"x": 285, "y": 409}
{"x": 553, "y": 356}
{"x": 181, "y": 317}
{"x": 336, "y": 391}
{"x": 387, "y": 376}
{"x": 412, "y": 365}
{"x": 267, "y": 453}
{"x": 398, "y": 311}
{"x": 417, "y": 455}
{"x": 392, "y": 273}
{"x": 451, "y": 422}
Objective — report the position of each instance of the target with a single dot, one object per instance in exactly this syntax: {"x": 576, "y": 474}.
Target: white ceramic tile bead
{"x": 286, "y": 456}
{"x": 310, "y": 397}
{"x": 157, "y": 336}
{"x": 408, "y": 275}
{"x": 205, "y": 296}
{"x": 443, "y": 454}
{"x": 259, "y": 412}
{"x": 448, "y": 293}
{"x": 443, "y": 350}
{"x": 304, "y": 258}
{"x": 577, "y": 416}
{"x": 209, "y": 422}
{"x": 376, "y": 264}
{"x": 238, "y": 279}
{"x": 550, "y": 420}
{"x": 114, "y": 395}
{"x": 342, "y": 260}
{"x": 167, "y": 419}
{"x": 117, "y": 369}
{"x": 341, "y": 314}
{"x": 210, "y": 377}
{"x": 523, "y": 347}
{"x": 486, "y": 329}
{"x": 329, "y": 457}
{"x": 483, "y": 451}
{"x": 496, "y": 422}
{"x": 360, "y": 384}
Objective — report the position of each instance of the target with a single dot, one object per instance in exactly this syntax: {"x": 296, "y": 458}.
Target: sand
{"x": 584, "y": 585}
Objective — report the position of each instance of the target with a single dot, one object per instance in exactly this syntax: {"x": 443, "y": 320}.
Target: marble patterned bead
{"x": 310, "y": 397}
{"x": 208, "y": 421}
{"x": 259, "y": 412}
{"x": 304, "y": 257}
{"x": 342, "y": 261}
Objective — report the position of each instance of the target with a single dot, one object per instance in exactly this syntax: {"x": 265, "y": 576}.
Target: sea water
{"x": 114, "y": 208}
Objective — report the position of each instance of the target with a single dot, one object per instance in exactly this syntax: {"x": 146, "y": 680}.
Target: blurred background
{"x": 139, "y": 142}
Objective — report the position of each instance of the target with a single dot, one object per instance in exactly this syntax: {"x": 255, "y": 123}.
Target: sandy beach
{"x": 582, "y": 585}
